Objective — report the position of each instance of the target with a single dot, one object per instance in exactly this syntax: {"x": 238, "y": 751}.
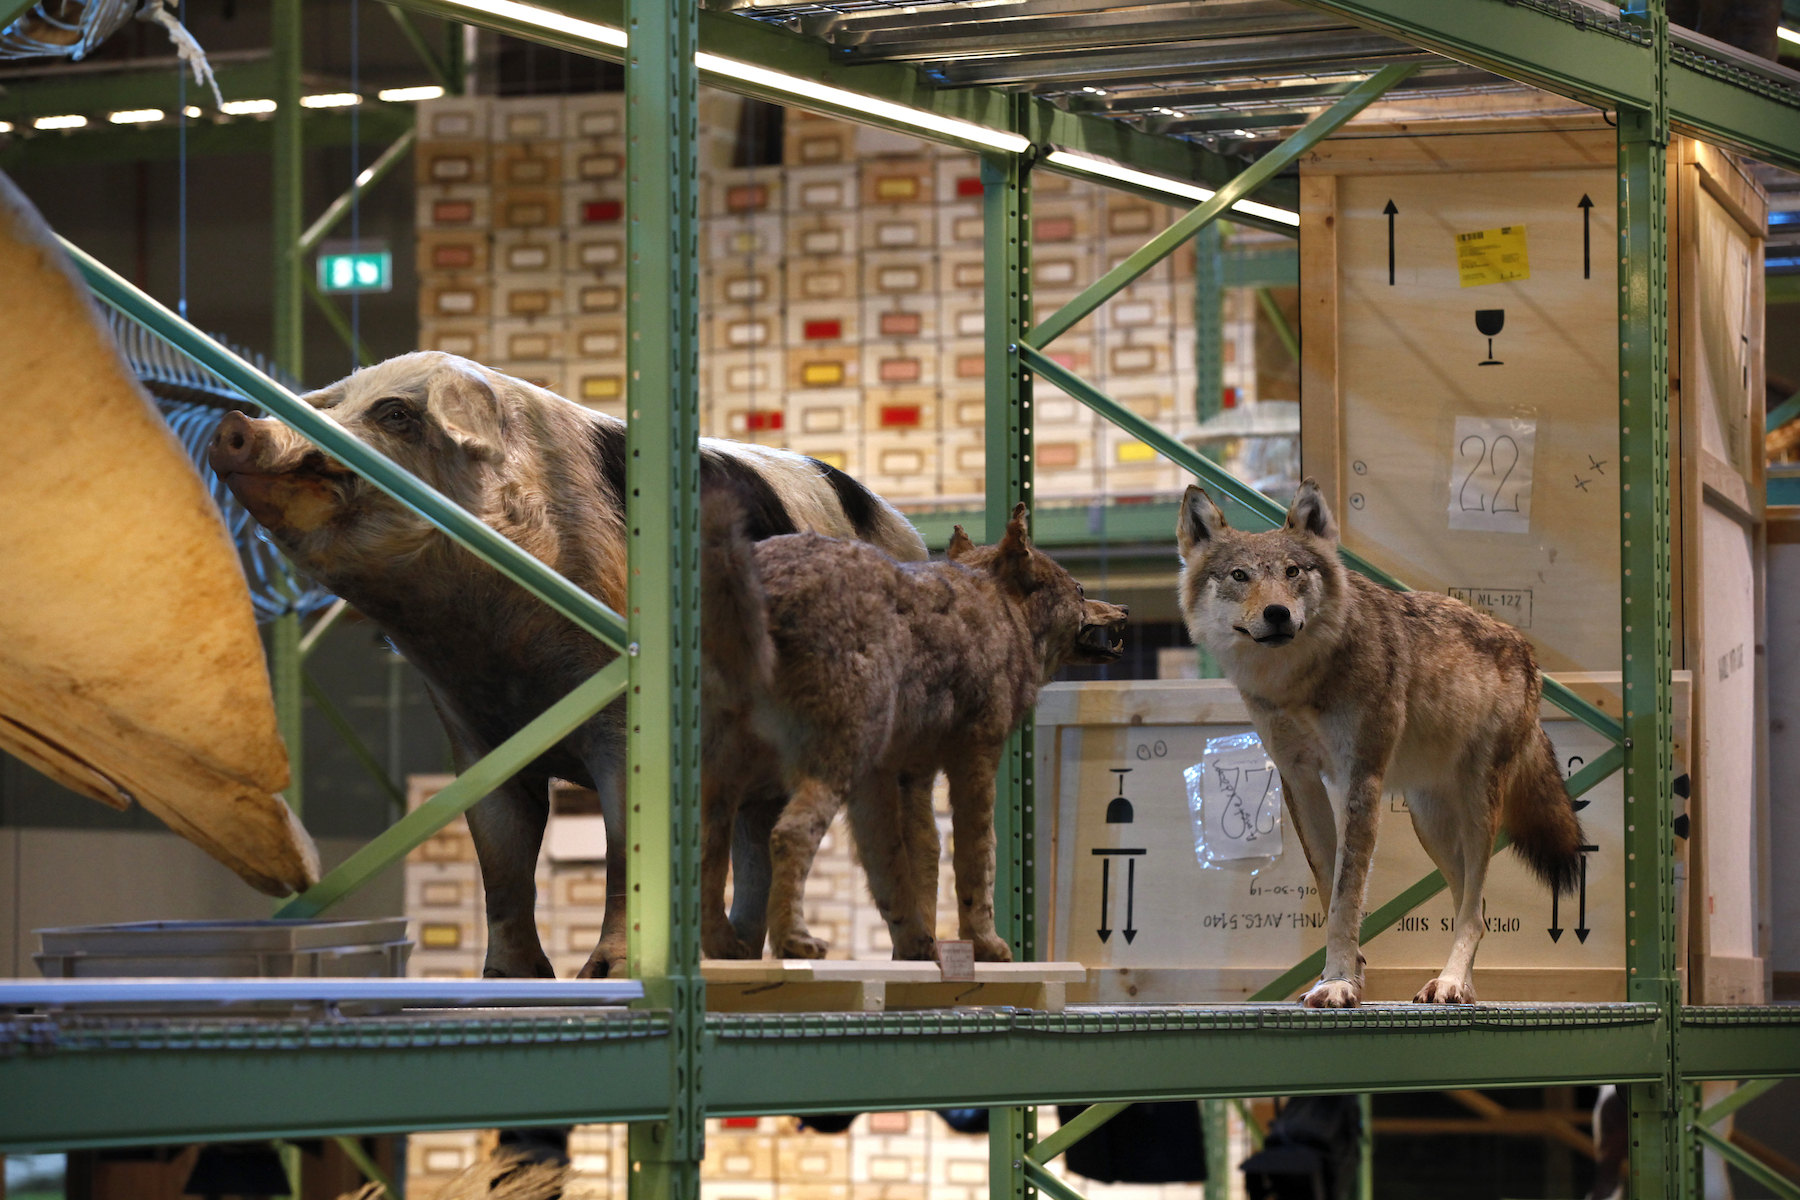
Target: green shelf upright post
{"x": 289, "y": 194}
{"x": 1654, "y": 1108}
{"x": 662, "y": 527}
{"x": 1006, "y": 278}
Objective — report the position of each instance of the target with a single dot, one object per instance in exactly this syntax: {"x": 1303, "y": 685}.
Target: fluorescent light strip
{"x": 244, "y": 108}
{"x": 331, "y": 100}
{"x": 6, "y": 126}
{"x": 135, "y": 116}
{"x": 1786, "y": 34}
{"x": 776, "y": 81}
{"x": 68, "y": 122}
{"x": 1107, "y": 169}
{"x": 856, "y": 102}
{"x": 402, "y": 95}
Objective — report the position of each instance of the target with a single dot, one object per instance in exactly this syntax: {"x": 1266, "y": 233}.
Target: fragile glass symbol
{"x": 1489, "y": 322}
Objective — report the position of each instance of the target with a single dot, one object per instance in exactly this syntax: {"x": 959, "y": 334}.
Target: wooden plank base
{"x": 840, "y": 985}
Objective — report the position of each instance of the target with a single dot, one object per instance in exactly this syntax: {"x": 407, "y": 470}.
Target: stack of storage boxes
{"x": 841, "y": 292}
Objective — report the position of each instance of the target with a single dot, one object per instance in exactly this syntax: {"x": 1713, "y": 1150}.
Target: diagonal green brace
{"x": 1072, "y": 1131}
{"x": 1264, "y": 169}
{"x": 1730, "y": 1104}
{"x": 1755, "y": 1168}
{"x": 1260, "y": 506}
{"x": 359, "y": 749}
{"x": 1048, "y": 1183}
{"x": 462, "y": 525}
{"x": 505, "y": 761}
{"x": 370, "y": 176}
{"x": 1385, "y": 917}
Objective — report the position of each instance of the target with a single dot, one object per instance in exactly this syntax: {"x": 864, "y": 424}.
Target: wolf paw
{"x": 990, "y": 947}
{"x": 1332, "y": 993}
{"x": 725, "y": 943}
{"x": 1446, "y": 991}
{"x": 800, "y": 945}
{"x": 915, "y": 948}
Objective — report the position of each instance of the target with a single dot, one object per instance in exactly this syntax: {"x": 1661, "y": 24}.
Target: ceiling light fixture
{"x": 246, "y": 108}
{"x": 331, "y": 100}
{"x": 403, "y": 95}
{"x": 776, "y": 81}
{"x": 6, "y": 126}
{"x": 135, "y": 116}
{"x": 1107, "y": 169}
{"x": 69, "y": 122}
{"x": 1786, "y": 34}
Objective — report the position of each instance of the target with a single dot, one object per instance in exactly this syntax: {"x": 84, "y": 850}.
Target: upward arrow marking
{"x": 1587, "y": 211}
{"x": 1390, "y": 211}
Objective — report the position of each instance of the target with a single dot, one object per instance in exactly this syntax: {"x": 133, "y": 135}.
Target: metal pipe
{"x": 370, "y": 176}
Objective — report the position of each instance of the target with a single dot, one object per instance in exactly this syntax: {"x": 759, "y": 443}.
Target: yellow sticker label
{"x": 1492, "y": 256}
{"x": 1134, "y": 452}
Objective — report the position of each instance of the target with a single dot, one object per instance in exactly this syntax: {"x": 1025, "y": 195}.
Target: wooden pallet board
{"x": 846, "y": 985}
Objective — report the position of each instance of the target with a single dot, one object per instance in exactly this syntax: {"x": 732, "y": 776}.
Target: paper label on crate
{"x": 1492, "y": 256}
{"x": 957, "y": 961}
{"x": 1234, "y": 794}
{"x": 1490, "y": 474}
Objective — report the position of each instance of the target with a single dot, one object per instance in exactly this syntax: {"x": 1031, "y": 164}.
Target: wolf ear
{"x": 1012, "y": 557}
{"x": 959, "y": 546}
{"x": 1309, "y": 513}
{"x": 468, "y": 406}
{"x": 1199, "y": 522}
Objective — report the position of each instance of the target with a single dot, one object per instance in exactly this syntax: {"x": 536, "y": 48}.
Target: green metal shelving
{"x": 69, "y": 1082}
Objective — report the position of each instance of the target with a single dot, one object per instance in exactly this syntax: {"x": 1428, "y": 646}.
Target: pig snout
{"x": 238, "y": 446}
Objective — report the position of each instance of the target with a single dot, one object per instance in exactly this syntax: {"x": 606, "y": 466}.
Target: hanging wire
{"x": 355, "y": 181}
{"x": 181, "y": 175}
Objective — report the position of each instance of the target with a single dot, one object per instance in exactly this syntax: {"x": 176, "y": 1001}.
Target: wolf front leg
{"x": 792, "y": 845}
{"x": 1358, "y": 810}
{"x": 972, "y": 836}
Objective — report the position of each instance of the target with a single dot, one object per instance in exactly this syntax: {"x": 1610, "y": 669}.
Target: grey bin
{"x": 222, "y": 949}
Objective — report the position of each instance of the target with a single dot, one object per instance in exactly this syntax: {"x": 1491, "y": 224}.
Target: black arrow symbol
{"x": 1555, "y": 928}
{"x": 1581, "y": 929}
{"x": 1389, "y": 211}
{"x": 1105, "y": 876}
{"x": 1587, "y": 211}
{"x": 1130, "y": 894}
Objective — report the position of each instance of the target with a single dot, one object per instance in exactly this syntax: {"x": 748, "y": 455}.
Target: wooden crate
{"x": 1419, "y": 422}
{"x": 1219, "y": 934}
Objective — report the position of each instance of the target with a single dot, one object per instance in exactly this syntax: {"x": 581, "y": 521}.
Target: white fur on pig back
{"x": 130, "y": 666}
{"x": 813, "y": 503}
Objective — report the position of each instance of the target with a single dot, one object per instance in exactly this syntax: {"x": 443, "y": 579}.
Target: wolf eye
{"x": 1241, "y": 576}
{"x": 1292, "y": 571}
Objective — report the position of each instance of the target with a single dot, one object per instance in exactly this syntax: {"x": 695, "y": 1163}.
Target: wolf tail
{"x": 1540, "y": 815}
{"x": 734, "y": 628}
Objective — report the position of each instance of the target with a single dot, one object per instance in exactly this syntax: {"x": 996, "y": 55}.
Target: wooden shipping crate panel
{"x": 960, "y": 226}
{"x": 826, "y": 323}
{"x": 906, "y": 229}
{"x": 1131, "y": 899}
{"x": 592, "y": 207}
{"x": 810, "y": 280}
{"x": 527, "y": 119}
{"x": 751, "y": 283}
{"x": 529, "y": 251}
{"x": 468, "y": 338}
{"x": 538, "y": 340}
{"x": 843, "y": 451}
{"x": 453, "y": 119}
{"x": 1466, "y": 371}
{"x": 534, "y": 165}
{"x": 597, "y": 337}
{"x": 451, "y": 162}
{"x": 744, "y": 327}
{"x": 827, "y": 234}
{"x": 453, "y": 206}
{"x": 743, "y": 192}
{"x": 598, "y": 383}
{"x": 746, "y": 239}
{"x": 900, "y": 364}
{"x": 812, "y": 140}
{"x": 592, "y": 118}
{"x": 597, "y": 253}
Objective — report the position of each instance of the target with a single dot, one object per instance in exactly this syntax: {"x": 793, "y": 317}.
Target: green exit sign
{"x": 365, "y": 267}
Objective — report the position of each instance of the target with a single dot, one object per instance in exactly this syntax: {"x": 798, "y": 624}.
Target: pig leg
{"x": 508, "y": 829}
{"x": 609, "y": 956}
{"x": 718, "y": 808}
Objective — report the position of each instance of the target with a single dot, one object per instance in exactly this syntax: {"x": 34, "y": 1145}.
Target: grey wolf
{"x": 867, "y": 676}
{"x": 550, "y": 475}
{"x": 1353, "y": 689}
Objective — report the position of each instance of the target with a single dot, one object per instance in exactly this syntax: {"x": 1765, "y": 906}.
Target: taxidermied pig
{"x": 550, "y": 475}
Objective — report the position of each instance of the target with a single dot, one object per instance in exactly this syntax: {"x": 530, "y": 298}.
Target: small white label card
{"x": 1490, "y": 474}
{"x": 1234, "y": 795}
{"x": 957, "y": 961}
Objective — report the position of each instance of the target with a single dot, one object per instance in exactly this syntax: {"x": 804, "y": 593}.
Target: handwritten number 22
{"x": 1489, "y": 457}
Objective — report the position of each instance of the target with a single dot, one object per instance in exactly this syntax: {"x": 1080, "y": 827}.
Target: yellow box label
{"x": 1135, "y": 452}
{"x": 1492, "y": 256}
{"x": 601, "y": 387}
{"x": 822, "y": 374}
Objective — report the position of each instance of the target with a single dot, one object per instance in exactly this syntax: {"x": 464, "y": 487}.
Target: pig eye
{"x": 1241, "y": 575}
{"x": 1292, "y": 571}
{"x": 396, "y": 417}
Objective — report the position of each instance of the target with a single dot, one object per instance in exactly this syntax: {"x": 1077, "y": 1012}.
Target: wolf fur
{"x": 867, "y": 676}
{"x": 1355, "y": 689}
{"x": 550, "y": 475}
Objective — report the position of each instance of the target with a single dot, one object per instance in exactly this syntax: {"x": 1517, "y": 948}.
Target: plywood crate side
{"x": 598, "y": 383}
{"x": 440, "y": 163}
{"x": 907, "y": 229}
{"x": 900, "y": 364}
{"x": 743, "y": 240}
{"x": 596, "y": 116}
{"x": 594, "y": 207}
{"x": 745, "y": 327}
{"x": 960, "y": 226}
{"x": 528, "y": 119}
{"x": 538, "y": 296}
{"x": 733, "y": 377}
{"x": 824, "y": 279}
{"x": 743, "y": 191}
{"x": 587, "y": 296}
{"x": 810, "y": 140}
{"x": 537, "y": 207}
{"x": 827, "y": 234}
{"x": 817, "y": 367}
{"x": 528, "y": 164}
{"x": 826, "y": 323}
{"x": 452, "y": 253}
{"x": 890, "y": 185}
{"x": 754, "y": 283}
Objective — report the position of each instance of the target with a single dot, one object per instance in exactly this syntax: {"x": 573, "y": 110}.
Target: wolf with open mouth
{"x": 866, "y": 676}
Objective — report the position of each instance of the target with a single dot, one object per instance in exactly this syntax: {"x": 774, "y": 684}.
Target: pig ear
{"x": 959, "y": 546}
{"x": 469, "y": 408}
{"x": 1199, "y": 523}
{"x": 1309, "y": 513}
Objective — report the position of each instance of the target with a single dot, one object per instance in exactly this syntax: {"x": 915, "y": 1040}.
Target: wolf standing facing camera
{"x": 1356, "y": 690}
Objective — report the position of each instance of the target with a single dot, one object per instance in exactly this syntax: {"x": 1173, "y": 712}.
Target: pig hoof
{"x": 990, "y": 948}
{"x": 799, "y": 945}
{"x": 539, "y": 970}
{"x": 1332, "y": 993}
{"x": 1446, "y": 991}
